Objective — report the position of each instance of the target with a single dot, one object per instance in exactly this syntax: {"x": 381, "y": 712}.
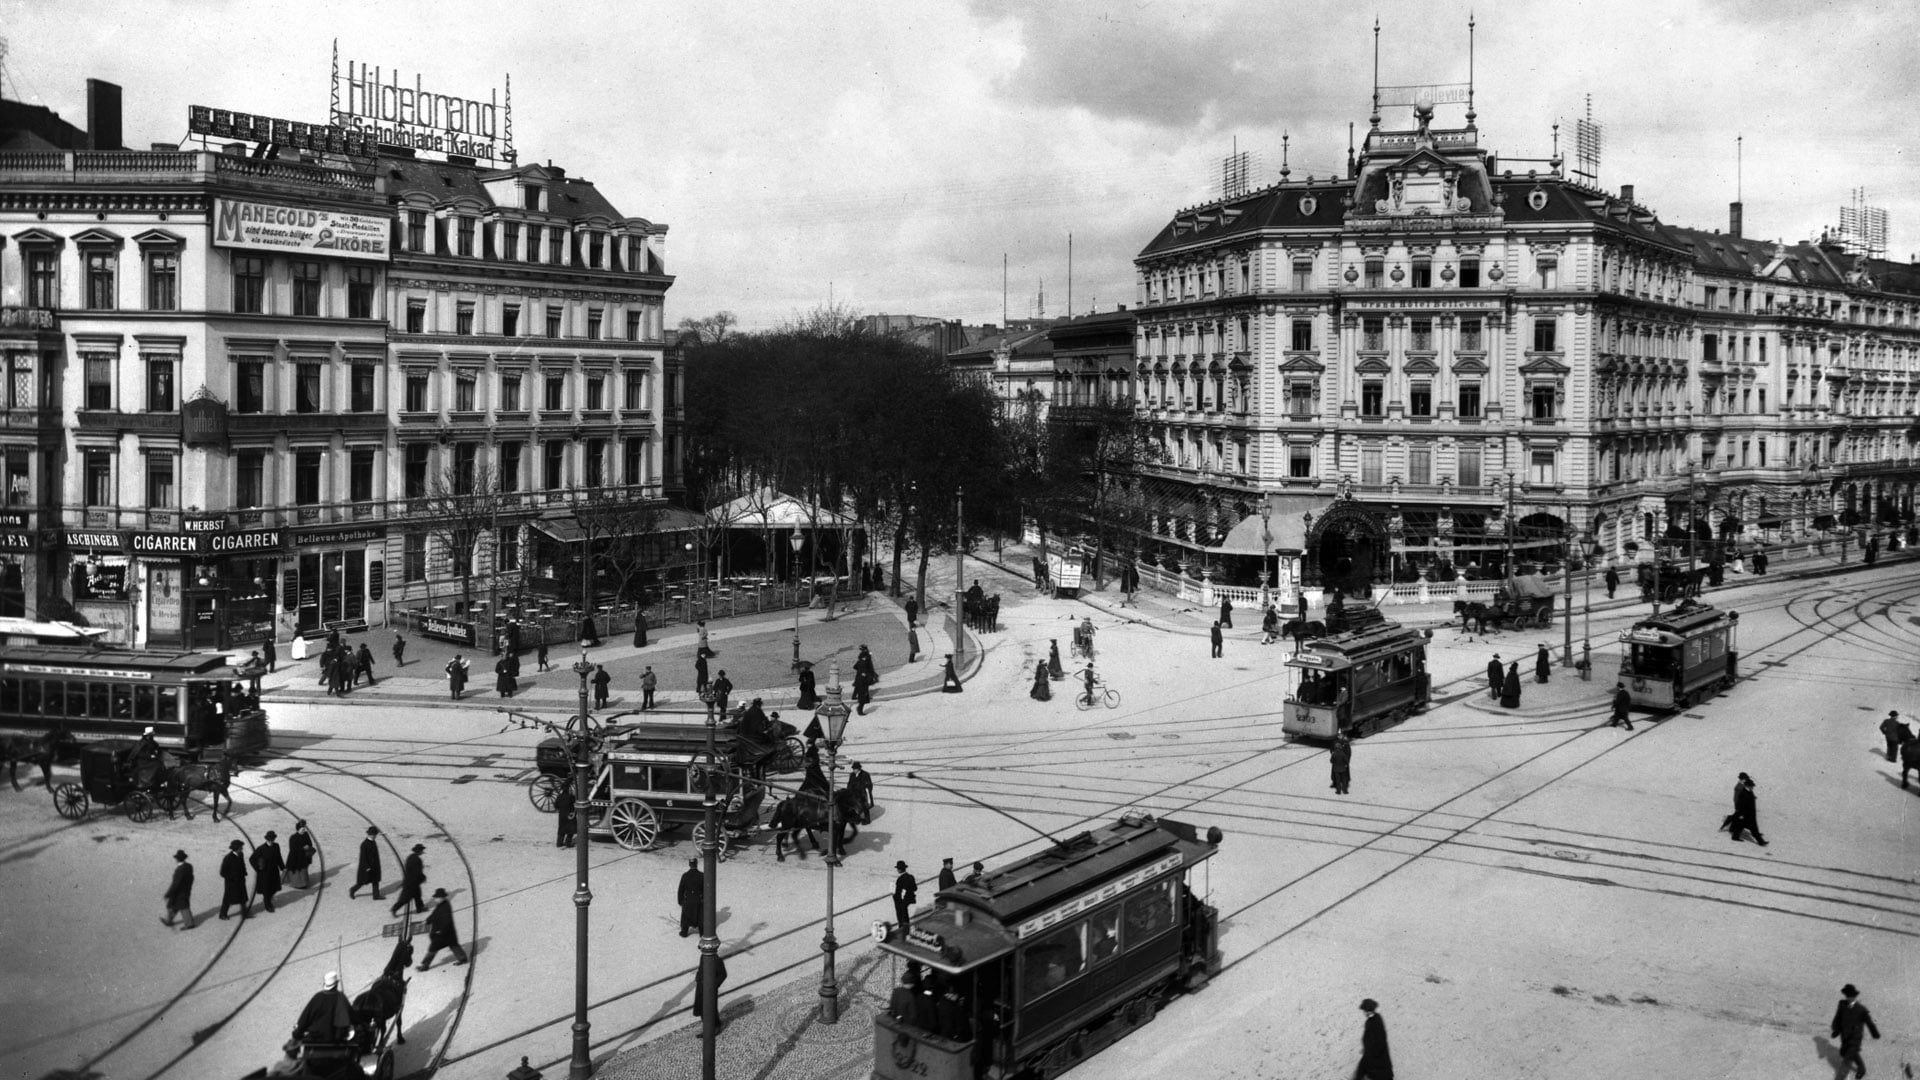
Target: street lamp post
{"x": 1590, "y": 545}
{"x": 795, "y": 542}
{"x": 834, "y": 716}
{"x": 706, "y": 986}
{"x": 581, "y": 1065}
{"x": 1266, "y": 551}
{"x": 1566, "y": 648}
{"x": 959, "y": 573}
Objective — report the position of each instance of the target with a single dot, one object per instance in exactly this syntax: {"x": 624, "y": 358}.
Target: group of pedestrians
{"x": 341, "y": 665}
{"x": 272, "y": 871}
{"x": 441, "y": 932}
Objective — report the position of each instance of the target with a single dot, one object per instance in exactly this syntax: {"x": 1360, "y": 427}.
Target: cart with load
{"x": 648, "y": 778}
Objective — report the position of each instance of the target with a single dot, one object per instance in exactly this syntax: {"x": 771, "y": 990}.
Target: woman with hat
{"x": 233, "y": 871}
{"x": 440, "y": 931}
{"x": 300, "y": 851}
{"x": 268, "y": 865}
{"x": 179, "y": 894}
{"x": 368, "y": 876}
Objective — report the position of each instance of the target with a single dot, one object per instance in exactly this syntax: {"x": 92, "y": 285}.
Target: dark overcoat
{"x": 180, "y": 893}
{"x": 369, "y": 864}
{"x": 268, "y": 865}
{"x": 233, "y": 871}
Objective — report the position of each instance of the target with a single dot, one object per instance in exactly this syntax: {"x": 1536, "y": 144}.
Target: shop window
{"x": 250, "y": 478}
{"x": 249, "y": 284}
{"x": 510, "y": 320}
{"x": 1372, "y": 398}
{"x": 306, "y": 388}
{"x": 43, "y": 278}
{"x": 101, "y": 267}
{"x": 361, "y": 396}
{"x": 97, "y": 474}
{"x": 160, "y": 395}
{"x": 99, "y": 577}
{"x": 1419, "y": 465}
{"x": 161, "y": 494}
{"x": 1420, "y": 399}
{"x": 1469, "y": 400}
{"x": 1470, "y": 335}
{"x": 359, "y": 292}
{"x": 1543, "y": 334}
{"x": 1542, "y": 468}
{"x": 413, "y": 557}
{"x": 414, "y": 462}
{"x": 1300, "y": 462}
{"x": 508, "y": 459}
{"x": 99, "y": 368}
{"x": 510, "y": 391}
{"x": 360, "y": 474}
{"x": 596, "y": 391}
{"x": 306, "y": 477}
{"x": 306, "y": 288}
{"x": 1469, "y": 273}
{"x": 163, "y": 281}
{"x": 553, "y": 470}
{"x": 19, "y": 476}
{"x": 1469, "y": 459}
{"x": 463, "y": 317}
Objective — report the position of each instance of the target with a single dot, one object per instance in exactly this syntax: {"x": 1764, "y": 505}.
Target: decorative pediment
{"x": 1302, "y": 365}
{"x": 1372, "y": 365}
{"x": 98, "y": 238}
{"x": 1467, "y": 365}
{"x": 1422, "y": 366}
{"x": 38, "y": 238}
{"x": 159, "y": 238}
{"x": 1544, "y": 367}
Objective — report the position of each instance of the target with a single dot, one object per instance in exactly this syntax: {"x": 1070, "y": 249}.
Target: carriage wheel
{"x": 167, "y": 797}
{"x": 140, "y": 807}
{"x": 635, "y": 825}
{"x": 70, "y": 801}
{"x": 789, "y": 756}
{"x": 543, "y": 790}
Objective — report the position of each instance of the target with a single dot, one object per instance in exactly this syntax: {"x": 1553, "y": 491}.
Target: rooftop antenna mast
{"x": 1739, "y": 151}
{"x": 1375, "y": 118}
{"x": 1588, "y": 138}
{"x": 1470, "y": 113}
{"x": 1284, "y": 170}
{"x": 1350, "y": 148}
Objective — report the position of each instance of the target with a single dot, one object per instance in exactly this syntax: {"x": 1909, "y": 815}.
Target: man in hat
{"x": 1542, "y": 665}
{"x": 649, "y": 682}
{"x": 601, "y": 680}
{"x": 440, "y": 931}
{"x": 1496, "y": 674}
{"x": 1217, "y": 639}
{"x": 700, "y": 984}
{"x": 721, "y": 687}
{"x": 179, "y": 894}
{"x": 906, "y": 891}
{"x": 457, "y": 675}
{"x": 1622, "y": 707}
{"x": 1375, "y": 1062}
{"x": 1746, "y": 813}
{"x": 947, "y": 880}
{"x": 979, "y": 871}
{"x": 233, "y": 871}
{"x": 693, "y": 889}
{"x": 327, "y": 1018}
{"x": 368, "y": 876}
{"x": 413, "y": 878}
{"x": 146, "y": 749}
{"x": 860, "y": 782}
{"x": 1850, "y": 1021}
{"x": 566, "y": 820}
{"x": 1896, "y": 733}
{"x": 268, "y": 865}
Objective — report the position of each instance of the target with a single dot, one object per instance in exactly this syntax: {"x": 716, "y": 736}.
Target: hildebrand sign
{"x": 258, "y": 226}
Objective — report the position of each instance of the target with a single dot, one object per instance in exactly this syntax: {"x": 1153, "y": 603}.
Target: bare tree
{"x": 711, "y": 329}
{"x": 460, "y": 506}
{"x": 617, "y": 532}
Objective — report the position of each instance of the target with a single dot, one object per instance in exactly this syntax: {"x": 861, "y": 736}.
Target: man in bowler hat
{"x": 1746, "y": 812}
{"x": 1850, "y": 1021}
{"x": 1496, "y": 674}
{"x": 440, "y": 931}
{"x": 233, "y": 871}
{"x": 906, "y": 891}
{"x": 693, "y": 889}
{"x": 179, "y": 894}
{"x": 1622, "y": 707}
{"x": 413, "y": 878}
{"x": 1375, "y": 1062}
{"x": 368, "y": 876}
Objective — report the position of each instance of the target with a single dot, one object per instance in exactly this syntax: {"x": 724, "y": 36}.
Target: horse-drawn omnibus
{"x": 1358, "y": 682}
{"x": 196, "y": 703}
{"x": 1680, "y": 656}
{"x": 1044, "y": 962}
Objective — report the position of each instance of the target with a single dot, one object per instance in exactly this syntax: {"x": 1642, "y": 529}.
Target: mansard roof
{"x": 1295, "y": 205}
{"x": 445, "y": 181}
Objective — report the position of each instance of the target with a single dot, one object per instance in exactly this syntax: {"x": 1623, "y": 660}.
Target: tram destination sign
{"x": 1097, "y": 897}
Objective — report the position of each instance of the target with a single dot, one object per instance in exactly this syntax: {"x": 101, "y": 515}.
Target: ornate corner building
{"x": 236, "y": 375}
{"x": 1438, "y": 361}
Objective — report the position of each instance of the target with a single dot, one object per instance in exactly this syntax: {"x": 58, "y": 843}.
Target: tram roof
{"x": 1343, "y": 650}
{"x": 1684, "y": 620}
{"x": 663, "y": 737}
{"x": 979, "y": 922}
{"x": 183, "y": 662}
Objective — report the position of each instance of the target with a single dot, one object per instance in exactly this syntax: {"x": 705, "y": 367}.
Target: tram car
{"x": 1042, "y": 963}
{"x": 198, "y": 704}
{"x": 1681, "y": 656}
{"x": 1358, "y": 682}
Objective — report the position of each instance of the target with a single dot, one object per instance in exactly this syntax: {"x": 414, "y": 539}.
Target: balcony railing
{"x": 517, "y": 504}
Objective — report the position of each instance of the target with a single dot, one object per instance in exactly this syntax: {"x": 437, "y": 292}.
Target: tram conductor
{"x": 906, "y": 892}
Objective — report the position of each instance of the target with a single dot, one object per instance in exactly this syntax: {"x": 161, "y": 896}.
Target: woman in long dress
{"x": 300, "y": 850}
{"x": 808, "y": 699}
{"x": 1041, "y": 691}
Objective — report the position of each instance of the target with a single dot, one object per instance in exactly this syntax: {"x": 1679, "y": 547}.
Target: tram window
{"x": 1104, "y": 931}
{"x": 122, "y": 701}
{"x": 1053, "y": 960}
{"x": 630, "y": 776}
{"x": 76, "y": 699}
{"x": 143, "y": 704}
{"x": 671, "y": 779}
{"x": 169, "y": 704}
{"x": 1401, "y": 667}
{"x": 10, "y": 695}
{"x": 99, "y": 703}
{"x": 30, "y": 696}
{"x": 1149, "y": 912}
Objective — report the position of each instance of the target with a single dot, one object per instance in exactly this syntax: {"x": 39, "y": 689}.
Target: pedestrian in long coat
{"x": 1054, "y": 670}
{"x": 326, "y": 668}
{"x": 563, "y": 809}
{"x": 457, "y": 675}
{"x": 268, "y": 866}
{"x": 809, "y": 698}
{"x": 368, "y": 875}
{"x": 700, "y": 981}
{"x": 640, "y": 629}
{"x": 913, "y": 611}
{"x": 300, "y": 851}
{"x": 1746, "y": 811}
{"x": 233, "y": 872}
{"x": 1622, "y": 706}
{"x": 863, "y": 664}
{"x": 1041, "y": 690}
{"x": 441, "y": 933}
{"x": 601, "y": 680}
{"x": 1542, "y": 665}
{"x": 913, "y": 643}
{"x": 270, "y": 653}
{"x": 862, "y": 692}
{"x": 1375, "y": 1062}
{"x": 1217, "y": 638}
{"x": 1510, "y": 690}
{"x": 1896, "y": 733}
{"x": 906, "y": 893}
{"x": 700, "y": 674}
{"x": 503, "y": 680}
{"x": 179, "y": 894}
{"x": 1496, "y": 676}
{"x": 1340, "y": 759}
{"x": 1850, "y": 1022}
{"x": 692, "y": 890}
{"x": 363, "y": 664}
{"x": 399, "y": 650}
{"x": 950, "y": 681}
{"x": 721, "y": 687}
{"x": 861, "y": 784}
{"x": 1226, "y": 612}
{"x": 413, "y": 879}
{"x": 540, "y": 657}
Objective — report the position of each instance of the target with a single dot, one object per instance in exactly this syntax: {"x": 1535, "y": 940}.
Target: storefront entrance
{"x": 330, "y": 587}
{"x": 1347, "y": 549}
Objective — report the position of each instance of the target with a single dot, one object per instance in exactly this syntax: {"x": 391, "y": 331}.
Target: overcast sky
{"x": 893, "y": 152}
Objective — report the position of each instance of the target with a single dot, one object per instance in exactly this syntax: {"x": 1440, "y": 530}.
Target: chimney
{"x": 1626, "y": 194}
{"x": 1735, "y": 210}
{"x": 103, "y": 115}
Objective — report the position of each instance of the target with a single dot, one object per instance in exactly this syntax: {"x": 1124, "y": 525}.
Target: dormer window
{"x": 416, "y": 230}
{"x": 530, "y": 197}
{"x": 463, "y": 237}
{"x": 596, "y": 249}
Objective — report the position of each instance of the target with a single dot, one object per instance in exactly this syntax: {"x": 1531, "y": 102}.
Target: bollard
{"x": 524, "y": 1072}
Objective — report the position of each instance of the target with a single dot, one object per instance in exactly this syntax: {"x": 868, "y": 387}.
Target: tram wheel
{"x": 542, "y": 792}
{"x": 140, "y": 807}
{"x": 70, "y": 801}
{"x": 635, "y": 825}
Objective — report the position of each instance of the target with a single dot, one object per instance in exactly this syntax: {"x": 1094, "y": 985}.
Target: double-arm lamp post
{"x": 833, "y": 715}
{"x": 795, "y": 541}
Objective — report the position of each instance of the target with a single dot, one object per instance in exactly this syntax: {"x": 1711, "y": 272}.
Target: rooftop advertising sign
{"x": 244, "y": 223}
{"x": 382, "y": 108}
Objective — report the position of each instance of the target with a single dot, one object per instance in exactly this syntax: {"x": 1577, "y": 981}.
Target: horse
{"x": 45, "y": 750}
{"x": 808, "y": 812}
{"x": 381, "y": 1003}
{"x": 1303, "y": 630}
{"x": 1909, "y": 759}
{"x": 201, "y": 776}
{"x": 1472, "y": 611}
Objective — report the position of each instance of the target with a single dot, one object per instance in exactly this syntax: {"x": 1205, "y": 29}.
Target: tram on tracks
{"x": 1358, "y": 683}
{"x": 196, "y": 703}
{"x": 1680, "y": 656}
{"x": 1044, "y": 962}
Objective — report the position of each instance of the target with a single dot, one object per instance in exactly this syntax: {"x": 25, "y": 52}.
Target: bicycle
{"x": 1098, "y": 694}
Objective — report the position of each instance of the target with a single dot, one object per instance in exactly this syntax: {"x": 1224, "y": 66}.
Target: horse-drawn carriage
{"x": 112, "y": 774}
{"x": 1668, "y": 582}
{"x": 1519, "y": 604}
{"x": 337, "y": 1039}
